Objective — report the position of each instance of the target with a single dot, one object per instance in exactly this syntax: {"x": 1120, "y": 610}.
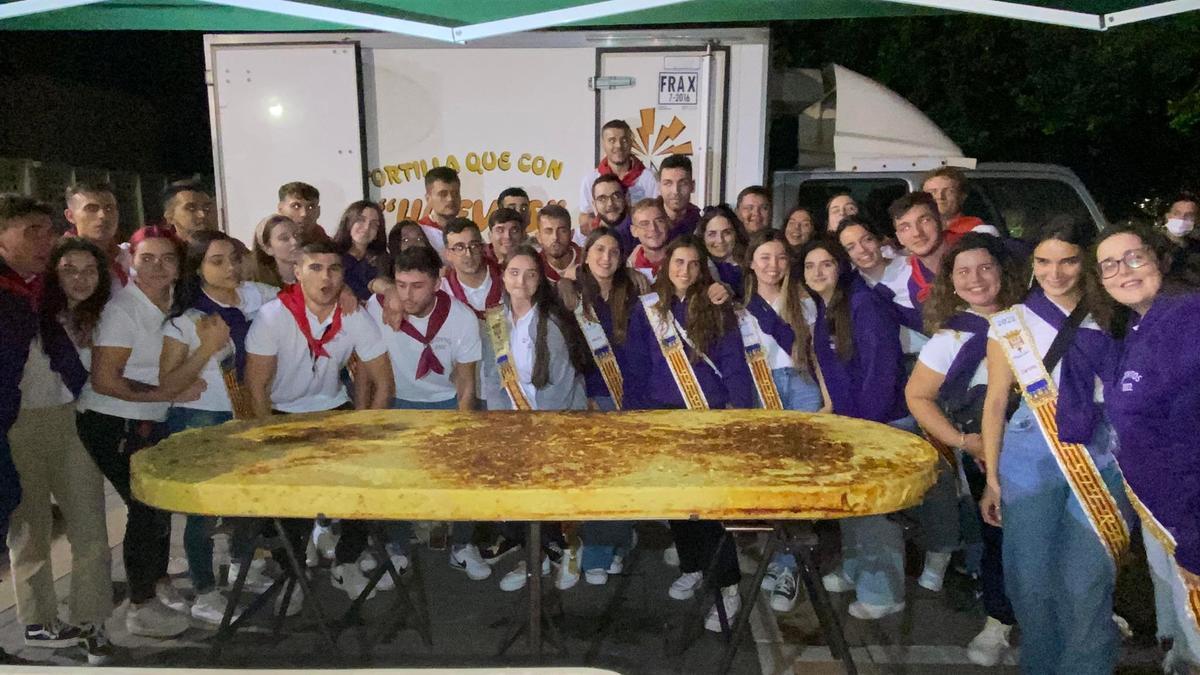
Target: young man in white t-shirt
{"x": 471, "y": 277}
{"x": 305, "y": 332}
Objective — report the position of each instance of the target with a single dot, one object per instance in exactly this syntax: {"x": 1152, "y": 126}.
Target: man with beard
{"x": 616, "y": 140}
{"x": 472, "y": 278}
{"x": 675, "y": 184}
{"x": 93, "y": 214}
{"x": 611, "y": 201}
{"x": 443, "y": 196}
{"x": 560, "y": 255}
{"x": 188, "y": 209}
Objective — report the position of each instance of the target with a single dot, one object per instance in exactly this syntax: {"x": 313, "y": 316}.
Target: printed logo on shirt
{"x": 1129, "y": 378}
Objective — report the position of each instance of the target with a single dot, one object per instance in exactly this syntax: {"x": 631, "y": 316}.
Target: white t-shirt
{"x": 130, "y": 321}
{"x": 646, "y": 186}
{"x": 436, "y": 239}
{"x": 41, "y": 387}
{"x": 521, "y": 346}
{"x": 941, "y": 350}
{"x": 457, "y": 341}
{"x": 476, "y": 297}
{"x": 302, "y": 385}
{"x": 1043, "y": 336}
{"x": 252, "y": 296}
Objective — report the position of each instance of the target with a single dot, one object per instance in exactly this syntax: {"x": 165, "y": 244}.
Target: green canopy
{"x": 466, "y": 20}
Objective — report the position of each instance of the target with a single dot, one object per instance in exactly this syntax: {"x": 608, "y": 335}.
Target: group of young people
{"x": 640, "y": 301}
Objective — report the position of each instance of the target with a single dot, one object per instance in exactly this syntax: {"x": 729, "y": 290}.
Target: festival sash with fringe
{"x": 602, "y": 354}
{"x": 1151, "y": 525}
{"x": 756, "y": 358}
{"x": 498, "y": 333}
{"x": 1040, "y": 394}
{"x": 671, "y": 344}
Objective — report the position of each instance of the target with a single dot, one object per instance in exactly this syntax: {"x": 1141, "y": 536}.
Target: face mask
{"x": 1179, "y": 226}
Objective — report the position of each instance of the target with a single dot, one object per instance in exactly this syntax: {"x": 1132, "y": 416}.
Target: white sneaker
{"x": 732, "y": 601}
{"x": 154, "y": 620}
{"x": 515, "y": 579}
{"x": 467, "y": 559}
{"x": 568, "y": 568}
{"x": 837, "y": 582}
{"x": 869, "y": 612}
{"x": 783, "y": 596}
{"x": 177, "y": 566}
{"x": 295, "y": 605}
{"x": 367, "y": 564}
{"x": 934, "y": 574}
{"x": 257, "y": 580}
{"x": 596, "y": 577}
{"x": 987, "y": 648}
{"x": 617, "y": 565}
{"x": 685, "y": 586}
{"x": 170, "y": 596}
{"x": 210, "y": 607}
{"x": 350, "y": 579}
{"x": 768, "y": 582}
{"x": 671, "y": 556}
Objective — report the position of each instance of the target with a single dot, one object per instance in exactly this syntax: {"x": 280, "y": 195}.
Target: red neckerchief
{"x": 924, "y": 286}
{"x": 640, "y": 261}
{"x": 635, "y": 171}
{"x": 30, "y": 290}
{"x": 554, "y": 275}
{"x": 429, "y": 222}
{"x": 493, "y": 296}
{"x": 429, "y": 360}
{"x": 114, "y": 254}
{"x": 292, "y": 297}
{"x": 956, "y": 228}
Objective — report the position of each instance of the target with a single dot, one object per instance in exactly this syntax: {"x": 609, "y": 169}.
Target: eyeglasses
{"x": 1133, "y": 259}
{"x": 474, "y": 247}
{"x": 604, "y": 199}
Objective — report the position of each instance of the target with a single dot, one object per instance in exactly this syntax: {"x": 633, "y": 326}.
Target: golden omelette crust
{"x": 447, "y": 465}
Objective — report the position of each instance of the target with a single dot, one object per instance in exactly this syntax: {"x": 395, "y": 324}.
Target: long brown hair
{"x": 546, "y": 301}
{"x": 624, "y": 292}
{"x": 81, "y": 320}
{"x": 943, "y": 303}
{"x": 377, "y": 249}
{"x": 706, "y": 322}
{"x": 837, "y": 312}
{"x": 793, "y": 304}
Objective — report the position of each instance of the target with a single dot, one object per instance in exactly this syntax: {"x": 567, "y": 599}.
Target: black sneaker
{"x": 54, "y": 635}
{"x": 498, "y": 550}
{"x": 96, "y": 645}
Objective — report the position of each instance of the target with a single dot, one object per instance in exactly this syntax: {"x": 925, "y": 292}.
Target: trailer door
{"x": 674, "y": 99}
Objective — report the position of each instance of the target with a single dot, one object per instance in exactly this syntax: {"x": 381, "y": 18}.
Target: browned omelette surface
{"x": 447, "y": 465}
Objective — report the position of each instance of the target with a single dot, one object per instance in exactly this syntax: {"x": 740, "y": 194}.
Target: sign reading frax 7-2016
{"x": 679, "y": 88}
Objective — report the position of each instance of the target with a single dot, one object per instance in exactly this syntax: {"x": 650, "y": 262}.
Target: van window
{"x": 1022, "y": 207}
{"x": 873, "y": 196}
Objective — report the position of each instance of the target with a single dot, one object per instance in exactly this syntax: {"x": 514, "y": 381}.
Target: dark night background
{"x": 1120, "y": 108}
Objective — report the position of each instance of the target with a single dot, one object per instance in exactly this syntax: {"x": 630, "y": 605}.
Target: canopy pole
{"x": 346, "y": 17}
{"x": 556, "y": 17}
{"x": 1148, "y": 12}
{"x": 1014, "y": 10}
{"x": 11, "y": 10}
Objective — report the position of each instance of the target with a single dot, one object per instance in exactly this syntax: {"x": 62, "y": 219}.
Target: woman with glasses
{"x": 1154, "y": 404}
{"x": 361, "y": 239}
{"x": 1052, "y": 478}
{"x": 55, "y": 468}
{"x": 946, "y": 388}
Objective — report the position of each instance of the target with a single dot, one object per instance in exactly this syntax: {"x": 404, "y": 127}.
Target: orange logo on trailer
{"x": 666, "y": 133}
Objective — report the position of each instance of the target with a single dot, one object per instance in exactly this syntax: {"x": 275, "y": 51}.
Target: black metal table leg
{"x": 823, "y": 608}
{"x": 734, "y": 637}
{"x": 312, "y": 603}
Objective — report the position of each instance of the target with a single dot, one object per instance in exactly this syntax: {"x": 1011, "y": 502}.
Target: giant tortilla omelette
{"x": 449, "y": 465}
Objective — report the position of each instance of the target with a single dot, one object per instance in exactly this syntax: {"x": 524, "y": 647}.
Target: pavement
{"x": 621, "y": 626}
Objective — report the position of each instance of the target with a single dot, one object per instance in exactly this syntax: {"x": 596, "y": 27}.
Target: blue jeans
{"x": 1057, "y": 573}
{"x": 197, "y": 534}
{"x": 798, "y": 392}
{"x": 402, "y": 404}
{"x": 873, "y": 550}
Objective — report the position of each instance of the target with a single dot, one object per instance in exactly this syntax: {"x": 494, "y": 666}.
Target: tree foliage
{"x": 1121, "y": 108}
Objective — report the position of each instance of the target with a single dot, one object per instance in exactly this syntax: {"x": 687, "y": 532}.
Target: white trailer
{"x": 364, "y": 115}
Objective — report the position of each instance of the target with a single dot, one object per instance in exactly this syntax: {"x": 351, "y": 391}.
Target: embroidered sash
{"x": 756, "y": 358}
{"x": 1037, "y": 387}
{"x": 671, "y": 344}
{"x": 602, "y": 354}
{"x": 498, "y": 333}
{"x": 1151, "y": 525}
